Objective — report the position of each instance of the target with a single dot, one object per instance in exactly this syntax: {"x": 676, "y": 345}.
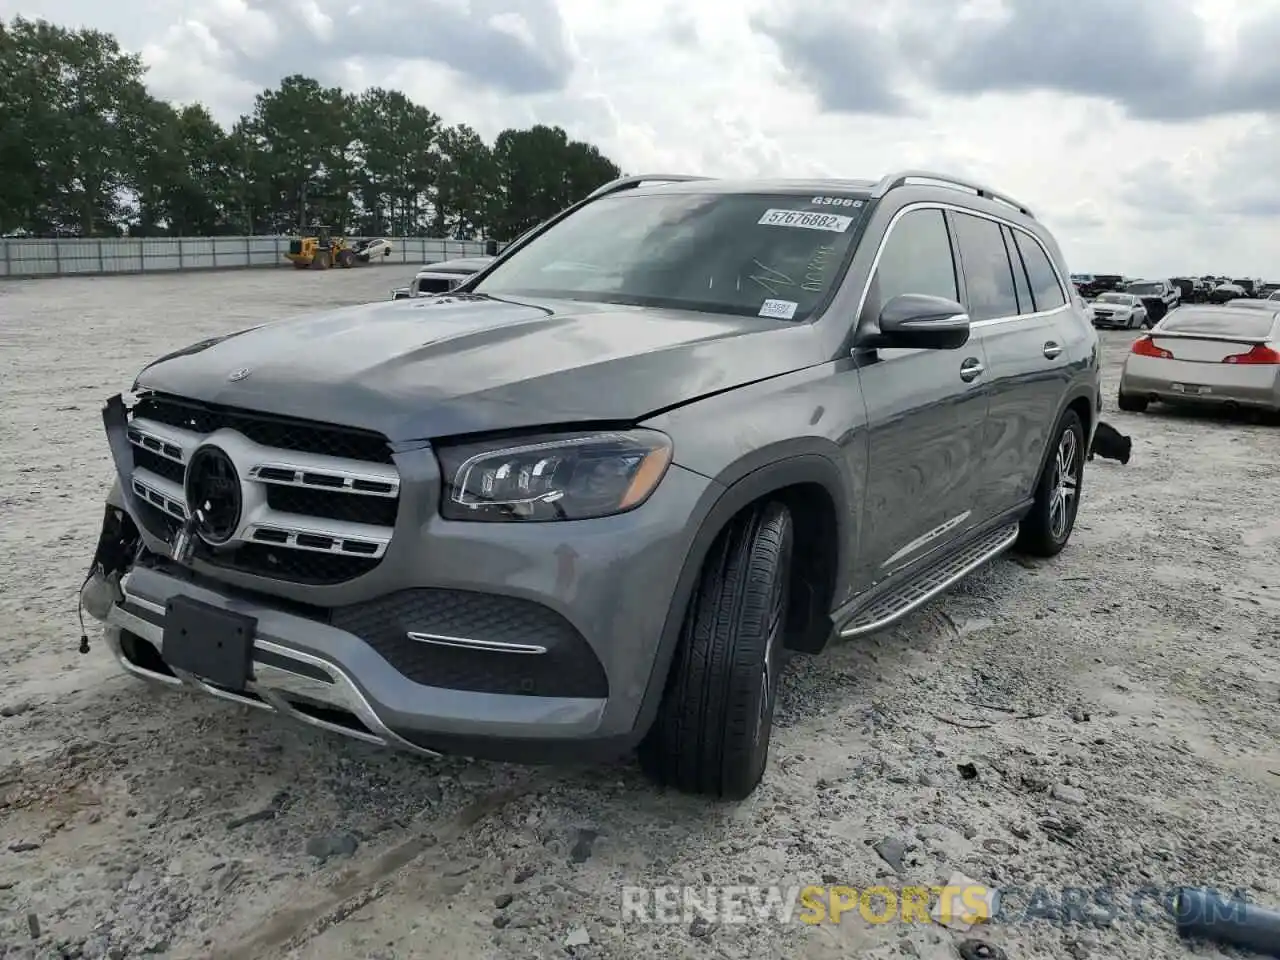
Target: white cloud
{"x": 667, "y": 86}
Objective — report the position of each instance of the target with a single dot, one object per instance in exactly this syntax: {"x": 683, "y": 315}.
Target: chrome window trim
{"x": 957, "y": 208}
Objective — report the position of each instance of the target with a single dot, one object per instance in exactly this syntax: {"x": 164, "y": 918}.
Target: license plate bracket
{"x": 209, "y": 642}
{"x": 1190, "y": 388}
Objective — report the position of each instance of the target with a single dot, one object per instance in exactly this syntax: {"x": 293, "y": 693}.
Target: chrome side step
{"x": 893, "y": 606}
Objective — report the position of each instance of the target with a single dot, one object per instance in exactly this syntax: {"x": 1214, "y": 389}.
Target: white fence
{"x": 76, "y": 257}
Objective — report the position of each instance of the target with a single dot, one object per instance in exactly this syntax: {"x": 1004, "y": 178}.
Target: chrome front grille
{"x": 319, "y": 502}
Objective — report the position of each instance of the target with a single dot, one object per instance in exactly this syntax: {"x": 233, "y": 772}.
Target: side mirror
{"x": 923, "y": 322}
{"x": 400, "y": 293}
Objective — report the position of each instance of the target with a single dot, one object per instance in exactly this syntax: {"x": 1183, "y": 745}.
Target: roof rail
{"x": 626, "y": 183}
{"x": 903, "y": 177}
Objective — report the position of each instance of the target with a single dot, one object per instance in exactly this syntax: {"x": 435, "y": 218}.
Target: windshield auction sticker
{"x": 831, "y": 222}
{"x": 779, "y": 309}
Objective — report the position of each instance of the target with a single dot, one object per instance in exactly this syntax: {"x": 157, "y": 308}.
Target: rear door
{"x": 1016, "y": 301}
{"x": 927, "y": 410}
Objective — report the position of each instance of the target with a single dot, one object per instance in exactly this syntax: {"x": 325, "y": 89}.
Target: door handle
{"x": 971, "y": 369}
{"x": 1052, "y": 350}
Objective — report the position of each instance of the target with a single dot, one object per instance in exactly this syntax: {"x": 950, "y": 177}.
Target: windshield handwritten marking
{"x": 815, "y": 274}
{"x": 771, "y": 279}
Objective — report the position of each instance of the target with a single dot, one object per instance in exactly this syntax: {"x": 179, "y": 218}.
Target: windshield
{"x": 1115, "y": 298}
{"x": 1224, "y": 322}
{"x": 1243, "y": 283}
{"x": 745, "y": 254}
{"x": 1141, "y": 288}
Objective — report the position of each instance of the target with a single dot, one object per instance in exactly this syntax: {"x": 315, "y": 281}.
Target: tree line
{"x": 85, "y": 150}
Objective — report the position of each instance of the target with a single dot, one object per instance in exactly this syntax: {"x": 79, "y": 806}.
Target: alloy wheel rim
{"x": 1066, "y": 482}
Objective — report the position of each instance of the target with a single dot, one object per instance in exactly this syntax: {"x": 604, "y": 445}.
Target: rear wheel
{"x": 712, "y": 732}
{"x": 346, "y": 258}
{"x": 1047, "y": 528}
{"x": 1131, "y": 404}
{"x": 321, "y": 260}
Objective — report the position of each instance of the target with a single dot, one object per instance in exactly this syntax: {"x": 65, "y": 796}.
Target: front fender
{"x": 720, "y": 504}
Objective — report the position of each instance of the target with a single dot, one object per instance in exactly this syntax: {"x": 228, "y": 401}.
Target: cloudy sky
{"x": 1146, "y": 133}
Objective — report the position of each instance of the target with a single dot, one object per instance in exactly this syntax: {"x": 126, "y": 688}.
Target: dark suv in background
{"x": 593, "y": 498}
{"x": 1191, "y": 290}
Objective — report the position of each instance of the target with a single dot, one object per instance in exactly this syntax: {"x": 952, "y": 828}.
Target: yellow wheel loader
{"x": 320, "y": 251}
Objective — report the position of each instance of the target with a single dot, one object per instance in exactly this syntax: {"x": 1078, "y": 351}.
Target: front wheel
{"x": 1047, "y": 528}
{"x": 712, "y": 732}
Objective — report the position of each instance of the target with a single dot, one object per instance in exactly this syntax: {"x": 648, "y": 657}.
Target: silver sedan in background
{"x": 1122, "y": 310}
{"x": 1227, "y": 356}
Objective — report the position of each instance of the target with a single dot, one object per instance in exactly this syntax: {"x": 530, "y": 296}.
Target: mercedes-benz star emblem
{"x": 212, "y": 488}
{"x": 235, "y": 376}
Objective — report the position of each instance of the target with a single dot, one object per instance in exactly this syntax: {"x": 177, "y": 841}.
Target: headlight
{"x": 565, "y": 477}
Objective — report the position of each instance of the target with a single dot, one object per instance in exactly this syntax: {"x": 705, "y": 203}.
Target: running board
{"x": 893, "y": 606}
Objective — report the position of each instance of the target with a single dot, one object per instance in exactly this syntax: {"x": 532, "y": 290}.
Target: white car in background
{"x": 375, "y": 250}
{"x": 436, "y": 278}
{"x": 1122, "y": 311}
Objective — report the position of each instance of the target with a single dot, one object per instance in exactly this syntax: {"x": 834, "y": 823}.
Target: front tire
{"x": 1047, "y": 528}
{"x": 712, "y": 732}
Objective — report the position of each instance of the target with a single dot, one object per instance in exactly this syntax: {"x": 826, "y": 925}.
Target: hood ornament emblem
{"x": 235, "y": 376}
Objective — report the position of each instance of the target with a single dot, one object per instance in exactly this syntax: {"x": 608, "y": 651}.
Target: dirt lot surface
{"x": 1105, "y": 719}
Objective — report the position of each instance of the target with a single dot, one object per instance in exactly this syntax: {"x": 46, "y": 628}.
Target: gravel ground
{"x": 1107, "y": 718}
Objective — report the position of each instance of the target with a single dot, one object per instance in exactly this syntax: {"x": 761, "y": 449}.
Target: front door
{"x": 926, "y": 411}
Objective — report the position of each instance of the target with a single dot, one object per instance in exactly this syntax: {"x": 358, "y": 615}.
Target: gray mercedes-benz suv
{"x": 594, "y": 498}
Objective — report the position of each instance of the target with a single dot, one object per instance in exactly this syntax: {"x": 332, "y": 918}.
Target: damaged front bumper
{"x": 283, "y": 679}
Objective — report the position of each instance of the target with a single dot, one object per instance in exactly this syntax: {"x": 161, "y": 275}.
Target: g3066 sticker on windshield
{"x": 831, "y": 222}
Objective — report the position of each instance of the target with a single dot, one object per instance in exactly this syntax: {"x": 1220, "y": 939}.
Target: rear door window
{"x": 1044, "y": 282}
{"x": 988, "y": 276}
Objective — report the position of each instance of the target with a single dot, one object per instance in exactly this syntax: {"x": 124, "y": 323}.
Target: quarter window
{"x": 916, "y": 258}
{"x": 1044, "y": 282}
{"x": 988, "y": 276}
{"x": 1020, "y": 285}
